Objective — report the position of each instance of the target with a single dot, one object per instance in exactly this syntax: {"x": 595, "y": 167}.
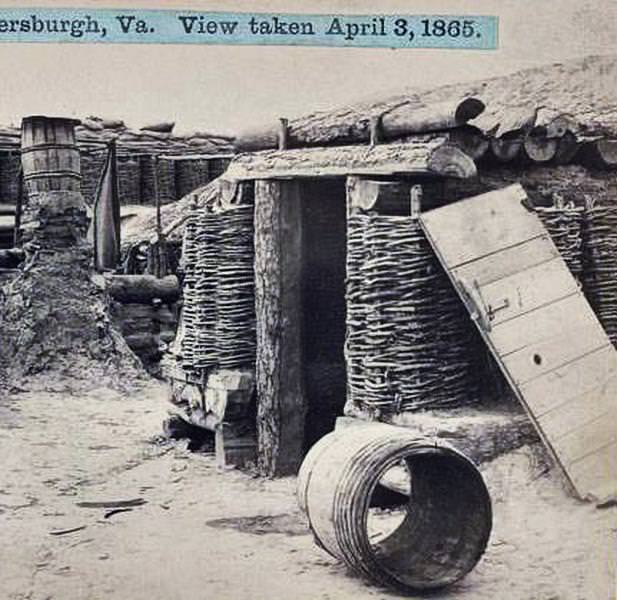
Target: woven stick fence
{"x": 190, "y": 252}
{"x": 600, "y": 265}
{"x": 410, "y": 344}
{"x": 206, "y": 280}
{"x": 235, "y": 294}
{"x": 565, "y": 226}
{"x": 219, "y": 291}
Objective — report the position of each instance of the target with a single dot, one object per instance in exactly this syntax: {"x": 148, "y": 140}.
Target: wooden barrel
{"x": 49, "y": 154}
{"x": 447, "y": 520}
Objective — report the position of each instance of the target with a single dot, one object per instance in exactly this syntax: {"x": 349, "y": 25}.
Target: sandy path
{"x": 205, "y": 534}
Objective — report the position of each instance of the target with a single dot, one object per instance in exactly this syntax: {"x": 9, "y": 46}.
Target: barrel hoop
{"x": 41, "y": 174}
{"x": 344, "y": 474}
{"x": 49, "y": 146}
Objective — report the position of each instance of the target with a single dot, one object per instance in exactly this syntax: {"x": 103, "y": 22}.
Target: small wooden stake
{"x": 18, "y": 207}
{"x": 283, "y": 134}
{"x": 415, "y": 200}
{"x": 375, "y": 130}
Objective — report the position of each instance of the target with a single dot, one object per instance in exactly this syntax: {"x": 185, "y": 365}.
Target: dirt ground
{"x": 201, "y": 533}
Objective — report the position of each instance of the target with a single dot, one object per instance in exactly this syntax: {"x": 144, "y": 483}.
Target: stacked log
{"x": 564, "y": 225}
{"x": 410, "y": 343}
{"x": 146, "y": 327}
{"x": 235, "y": 294}
{"x": 600, "y": 278}
{"x": 144, "y": 288}
{"x": 394, "y": 122}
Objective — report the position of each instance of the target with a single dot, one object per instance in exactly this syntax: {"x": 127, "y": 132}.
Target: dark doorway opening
{"x": 324, "y": 231}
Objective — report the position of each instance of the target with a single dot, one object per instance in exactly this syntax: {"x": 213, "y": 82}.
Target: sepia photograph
{"x": 308, "y": 300}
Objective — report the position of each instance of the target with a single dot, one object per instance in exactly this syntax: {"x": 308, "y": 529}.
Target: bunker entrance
{"x": 323, "y": 304}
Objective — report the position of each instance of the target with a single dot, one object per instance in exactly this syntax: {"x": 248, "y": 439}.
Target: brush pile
{"x": 410, "y": 344}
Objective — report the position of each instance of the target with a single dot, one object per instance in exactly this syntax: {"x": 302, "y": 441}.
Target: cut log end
{"x": 540, "y": 149}
{"x": 450, "y": 161}
{"x": 144, "y": 288}
{"x": 469, "y": 109}
{"x": 506, "y": 149}
{"x": 567, "y": 148}
{"x": 470, "y": 140}
{"x": 600, "y": 154}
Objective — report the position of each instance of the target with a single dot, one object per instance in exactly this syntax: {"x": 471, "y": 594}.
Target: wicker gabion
{"x": 235, "y": 294}
{"x": 219, "y": 291}
{"x": 600, "y": 279}
{"x": 206, "y": 280}
{"x": 410, "y": 344}
{"x": 189, "y": 310}
{"x": 565, "y": 226}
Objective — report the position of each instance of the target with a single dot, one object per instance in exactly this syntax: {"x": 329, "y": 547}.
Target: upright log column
{"x": 278, "y": 263}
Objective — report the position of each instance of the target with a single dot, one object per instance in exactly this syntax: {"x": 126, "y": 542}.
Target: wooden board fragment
{"x": 538, "y": 325}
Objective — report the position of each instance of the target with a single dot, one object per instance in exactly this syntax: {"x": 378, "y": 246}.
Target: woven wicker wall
{"x": 191, "y": 174}
{"x": 10, "y": 166}
{"x": 129, "y": 179}
{"x": 92, "y": 164}
{"x": 565, "y": 226}
{"x": 600, "y": 264}
{"x": 410, "y": 344}
{"x": 219, "y": 291}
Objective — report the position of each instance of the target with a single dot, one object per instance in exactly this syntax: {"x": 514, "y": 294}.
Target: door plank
{"x": 586, "y": 440}
{"x": 531, "y": 313}
{"x": 522, "y": 292}
{"x": 472, "y": 228}
{"x": 596, "y": 472}
{"x": 551, "y": 343}
{"x": 548, "y": 322}
{"x": 583, "y": 409}
{"x": 565, "y": 384}
{"x": 508, "y": 261}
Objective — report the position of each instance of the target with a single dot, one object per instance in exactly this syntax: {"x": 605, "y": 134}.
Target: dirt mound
{"x": 55, "y": 328}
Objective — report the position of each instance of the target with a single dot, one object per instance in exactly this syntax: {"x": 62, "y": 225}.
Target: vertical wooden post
{"x": 281, "y": 402}
{"x": 283, "y": 134}
{"x": 158, "y": 254}
{"x": 375, "y": 130}
{"x": 415, "y": 200}
{"x": 157, "y": 195}
{"x": 19, "y": 202}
